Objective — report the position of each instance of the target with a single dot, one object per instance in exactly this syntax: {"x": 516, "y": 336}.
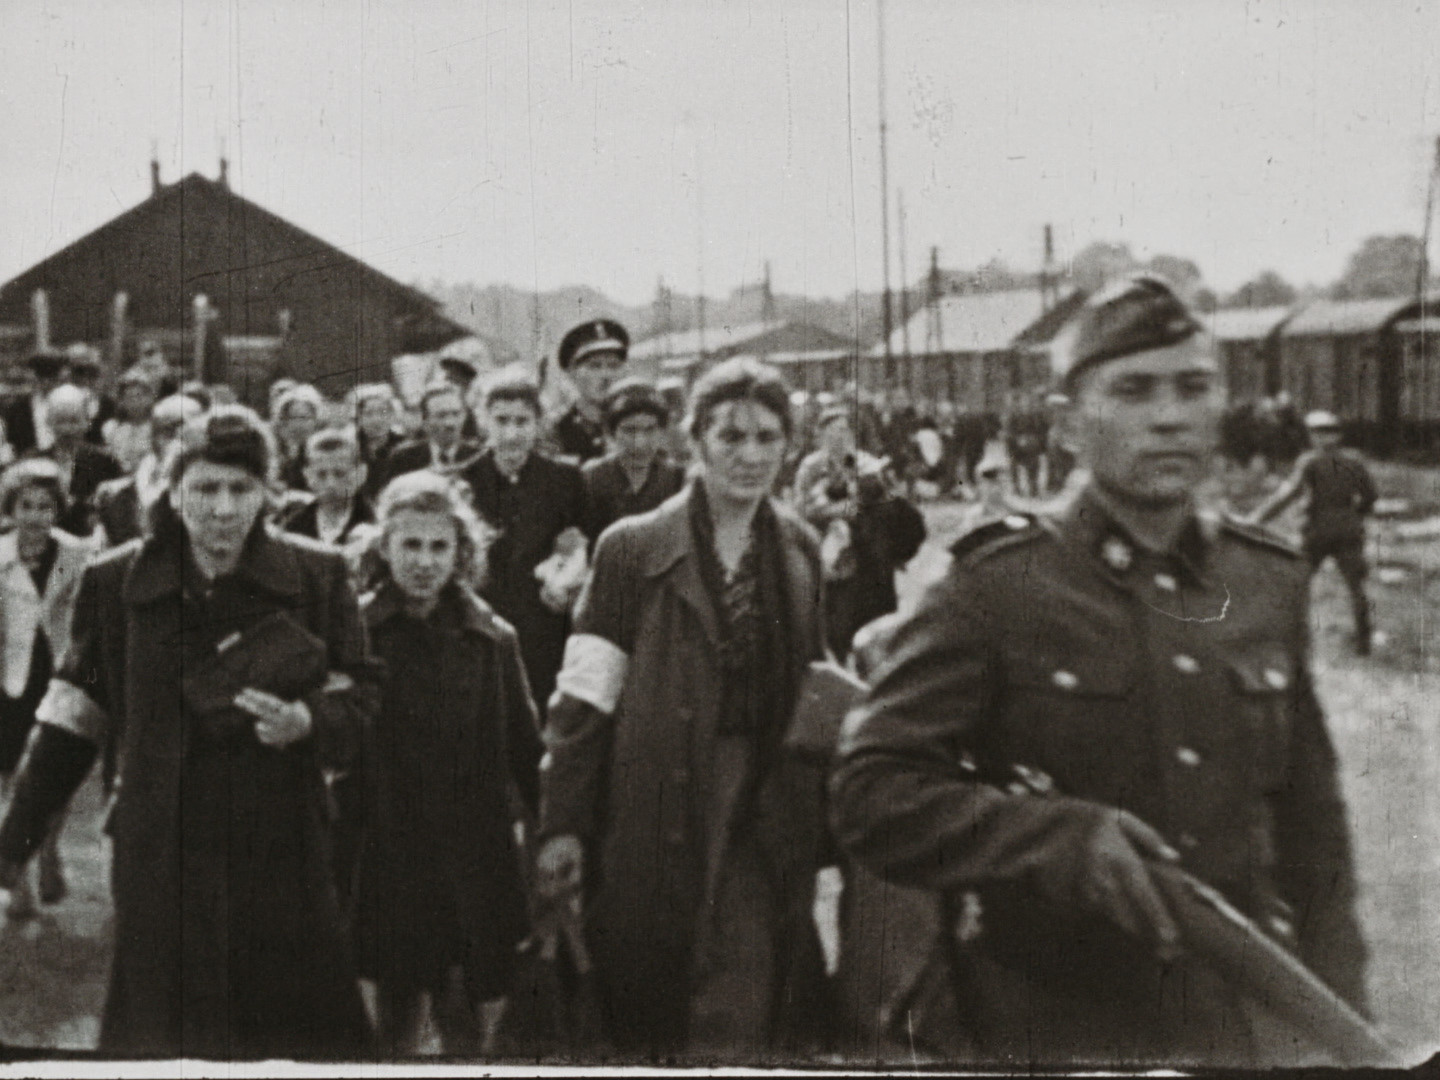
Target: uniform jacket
{"x": 547, "y": 497}
{"x": 647, "y": 784}
{"x": 609, "y": 497}
{"x": 1176, "y": 687}
{"x": 23, "y": 610}
{"x": 228, "y": 940}
{"x": 577, "y": 437}
{"x": 1341, "y": 494}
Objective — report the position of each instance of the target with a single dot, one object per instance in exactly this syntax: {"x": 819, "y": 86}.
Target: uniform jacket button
{"x": 1065, "y": 680}
{"x": 1186, "y": 665}
{"x": 1187, "y": 757}
{"x": 1276, "y": 679}
{"x": 1166, "y": 582}
{"x": 1188, "y": 841}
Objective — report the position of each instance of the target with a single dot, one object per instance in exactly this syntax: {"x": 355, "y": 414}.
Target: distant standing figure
{"x": 1342, "y": 493}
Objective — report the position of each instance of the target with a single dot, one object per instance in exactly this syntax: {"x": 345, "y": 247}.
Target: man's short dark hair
{"x": 334, "y": 440}
{"x": 438, "y": 389}
{"x": 738, "y": 379}
{"x": 514, "y": 385}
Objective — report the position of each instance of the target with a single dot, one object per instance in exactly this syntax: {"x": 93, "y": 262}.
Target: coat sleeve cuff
{"x": 593, "y": 671}
{"x": 69, "y": 708}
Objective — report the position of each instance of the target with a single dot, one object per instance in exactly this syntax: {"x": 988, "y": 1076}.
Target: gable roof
{"x": 1247, "y": 324}
{"x": 1323, "y": 317}
{"x": 204, "y": 194}
{"x": 970, "y": 322}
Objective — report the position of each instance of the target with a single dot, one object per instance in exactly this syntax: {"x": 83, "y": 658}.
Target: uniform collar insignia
{"x": 1116, "y": 553}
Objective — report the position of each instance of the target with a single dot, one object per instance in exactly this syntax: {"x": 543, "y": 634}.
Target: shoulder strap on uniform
{"x": 1258, "y": 535}
{"x": 991, "y": 536}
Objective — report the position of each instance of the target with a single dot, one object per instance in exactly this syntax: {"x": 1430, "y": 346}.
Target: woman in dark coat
{"x": 453, "y": 768}
{"x": 228, "y": 939}
{"x": 668, "y": 787}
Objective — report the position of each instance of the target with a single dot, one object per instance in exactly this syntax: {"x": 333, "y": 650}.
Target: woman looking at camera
{"x": 669, "y": 798}
{"x": 227, "y": 664}
{"x": 452, "y": 770}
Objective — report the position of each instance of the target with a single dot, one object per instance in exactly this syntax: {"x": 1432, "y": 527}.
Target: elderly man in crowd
{"x": 83, "y": 465}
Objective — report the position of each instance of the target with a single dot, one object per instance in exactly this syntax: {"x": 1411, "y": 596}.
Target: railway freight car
{"x": 1349, "y": 357}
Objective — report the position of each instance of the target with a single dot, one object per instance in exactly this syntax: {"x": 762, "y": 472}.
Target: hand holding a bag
{"x": 278, "y": 723}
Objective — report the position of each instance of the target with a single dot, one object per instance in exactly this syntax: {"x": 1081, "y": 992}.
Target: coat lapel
{"x": 672, "y": 557}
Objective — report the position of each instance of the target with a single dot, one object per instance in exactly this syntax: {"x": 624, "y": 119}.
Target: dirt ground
{"x": 1384, "y": 712}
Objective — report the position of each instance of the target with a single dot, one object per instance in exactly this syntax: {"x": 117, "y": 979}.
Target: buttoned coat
{"x": 547, "y": 497}
{"x": 181, "y": 981}
{"x": 651, "y": 789}
{"x": 1175, "y": 687}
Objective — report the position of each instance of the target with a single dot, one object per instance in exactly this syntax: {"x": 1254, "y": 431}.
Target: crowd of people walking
{"x": 391, "y": 702}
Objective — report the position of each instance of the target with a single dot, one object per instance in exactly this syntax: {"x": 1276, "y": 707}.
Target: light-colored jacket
{"x": 23, "y": 609}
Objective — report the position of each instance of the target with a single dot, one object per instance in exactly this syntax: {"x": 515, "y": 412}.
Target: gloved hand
{"x": 1102, "y": 871}
{"x": 559, "y": 868}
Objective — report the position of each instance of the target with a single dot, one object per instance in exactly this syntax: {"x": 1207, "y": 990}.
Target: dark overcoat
{"x": 546, "y": 498}
{"x": 454, "y": 763}
{"x": 653, "y": 790}
{"x": 1173, "y": 686}
{"x": 228, "y": 940}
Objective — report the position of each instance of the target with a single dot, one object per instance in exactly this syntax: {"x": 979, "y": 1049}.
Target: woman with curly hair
{"x": 452, "y": 768}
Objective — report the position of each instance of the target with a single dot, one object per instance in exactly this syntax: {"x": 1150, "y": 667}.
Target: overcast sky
{"x": 609, "y": 143}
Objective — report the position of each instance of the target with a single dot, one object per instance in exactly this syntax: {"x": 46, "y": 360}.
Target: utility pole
{"x": 1422, "y": 272}
{"x": 885, "y": 313}
{"x": 933, "y": 338}
{"x": 1049, "y": 287}
{"x": 904, "y": 282}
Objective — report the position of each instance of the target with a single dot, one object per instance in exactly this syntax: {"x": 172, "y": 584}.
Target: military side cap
{"x": 597, "y": 335}
{"x": 47, "y": 365}
{"x": 1132, "y": 316}
{"x": 465, "y": 368}
{"x": 629, "y": 397}
{"x": 1322, "y": 420}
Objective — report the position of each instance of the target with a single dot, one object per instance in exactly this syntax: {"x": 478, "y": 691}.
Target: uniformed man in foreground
{"x": 593, "y": 354}
{"x": 1083, "y": 698}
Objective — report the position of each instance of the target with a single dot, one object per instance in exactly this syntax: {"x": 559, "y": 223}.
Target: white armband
{"x": 593, "y": 672}
{"x": 69, "y": 708}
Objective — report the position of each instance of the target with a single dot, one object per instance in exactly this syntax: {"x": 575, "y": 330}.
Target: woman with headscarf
{"x": 227, "y": 665}
{"x": 669, "y": 797}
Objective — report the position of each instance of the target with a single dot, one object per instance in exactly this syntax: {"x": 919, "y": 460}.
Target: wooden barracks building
{"x": 227, "y": 291}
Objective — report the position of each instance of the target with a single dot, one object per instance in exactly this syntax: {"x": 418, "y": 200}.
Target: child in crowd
{"x": 452, "y": 769}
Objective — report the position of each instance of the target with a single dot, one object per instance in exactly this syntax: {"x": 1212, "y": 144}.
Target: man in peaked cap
{"x": 1342, "y": 493}
{"x": 1081, "y": 698}
{"x": 593, "y": 354}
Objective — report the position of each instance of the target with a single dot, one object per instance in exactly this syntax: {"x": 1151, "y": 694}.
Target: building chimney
{"x": 224, "y": 173}
{"x": 40, "y": 315}
{"x": 154, "y": 176}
